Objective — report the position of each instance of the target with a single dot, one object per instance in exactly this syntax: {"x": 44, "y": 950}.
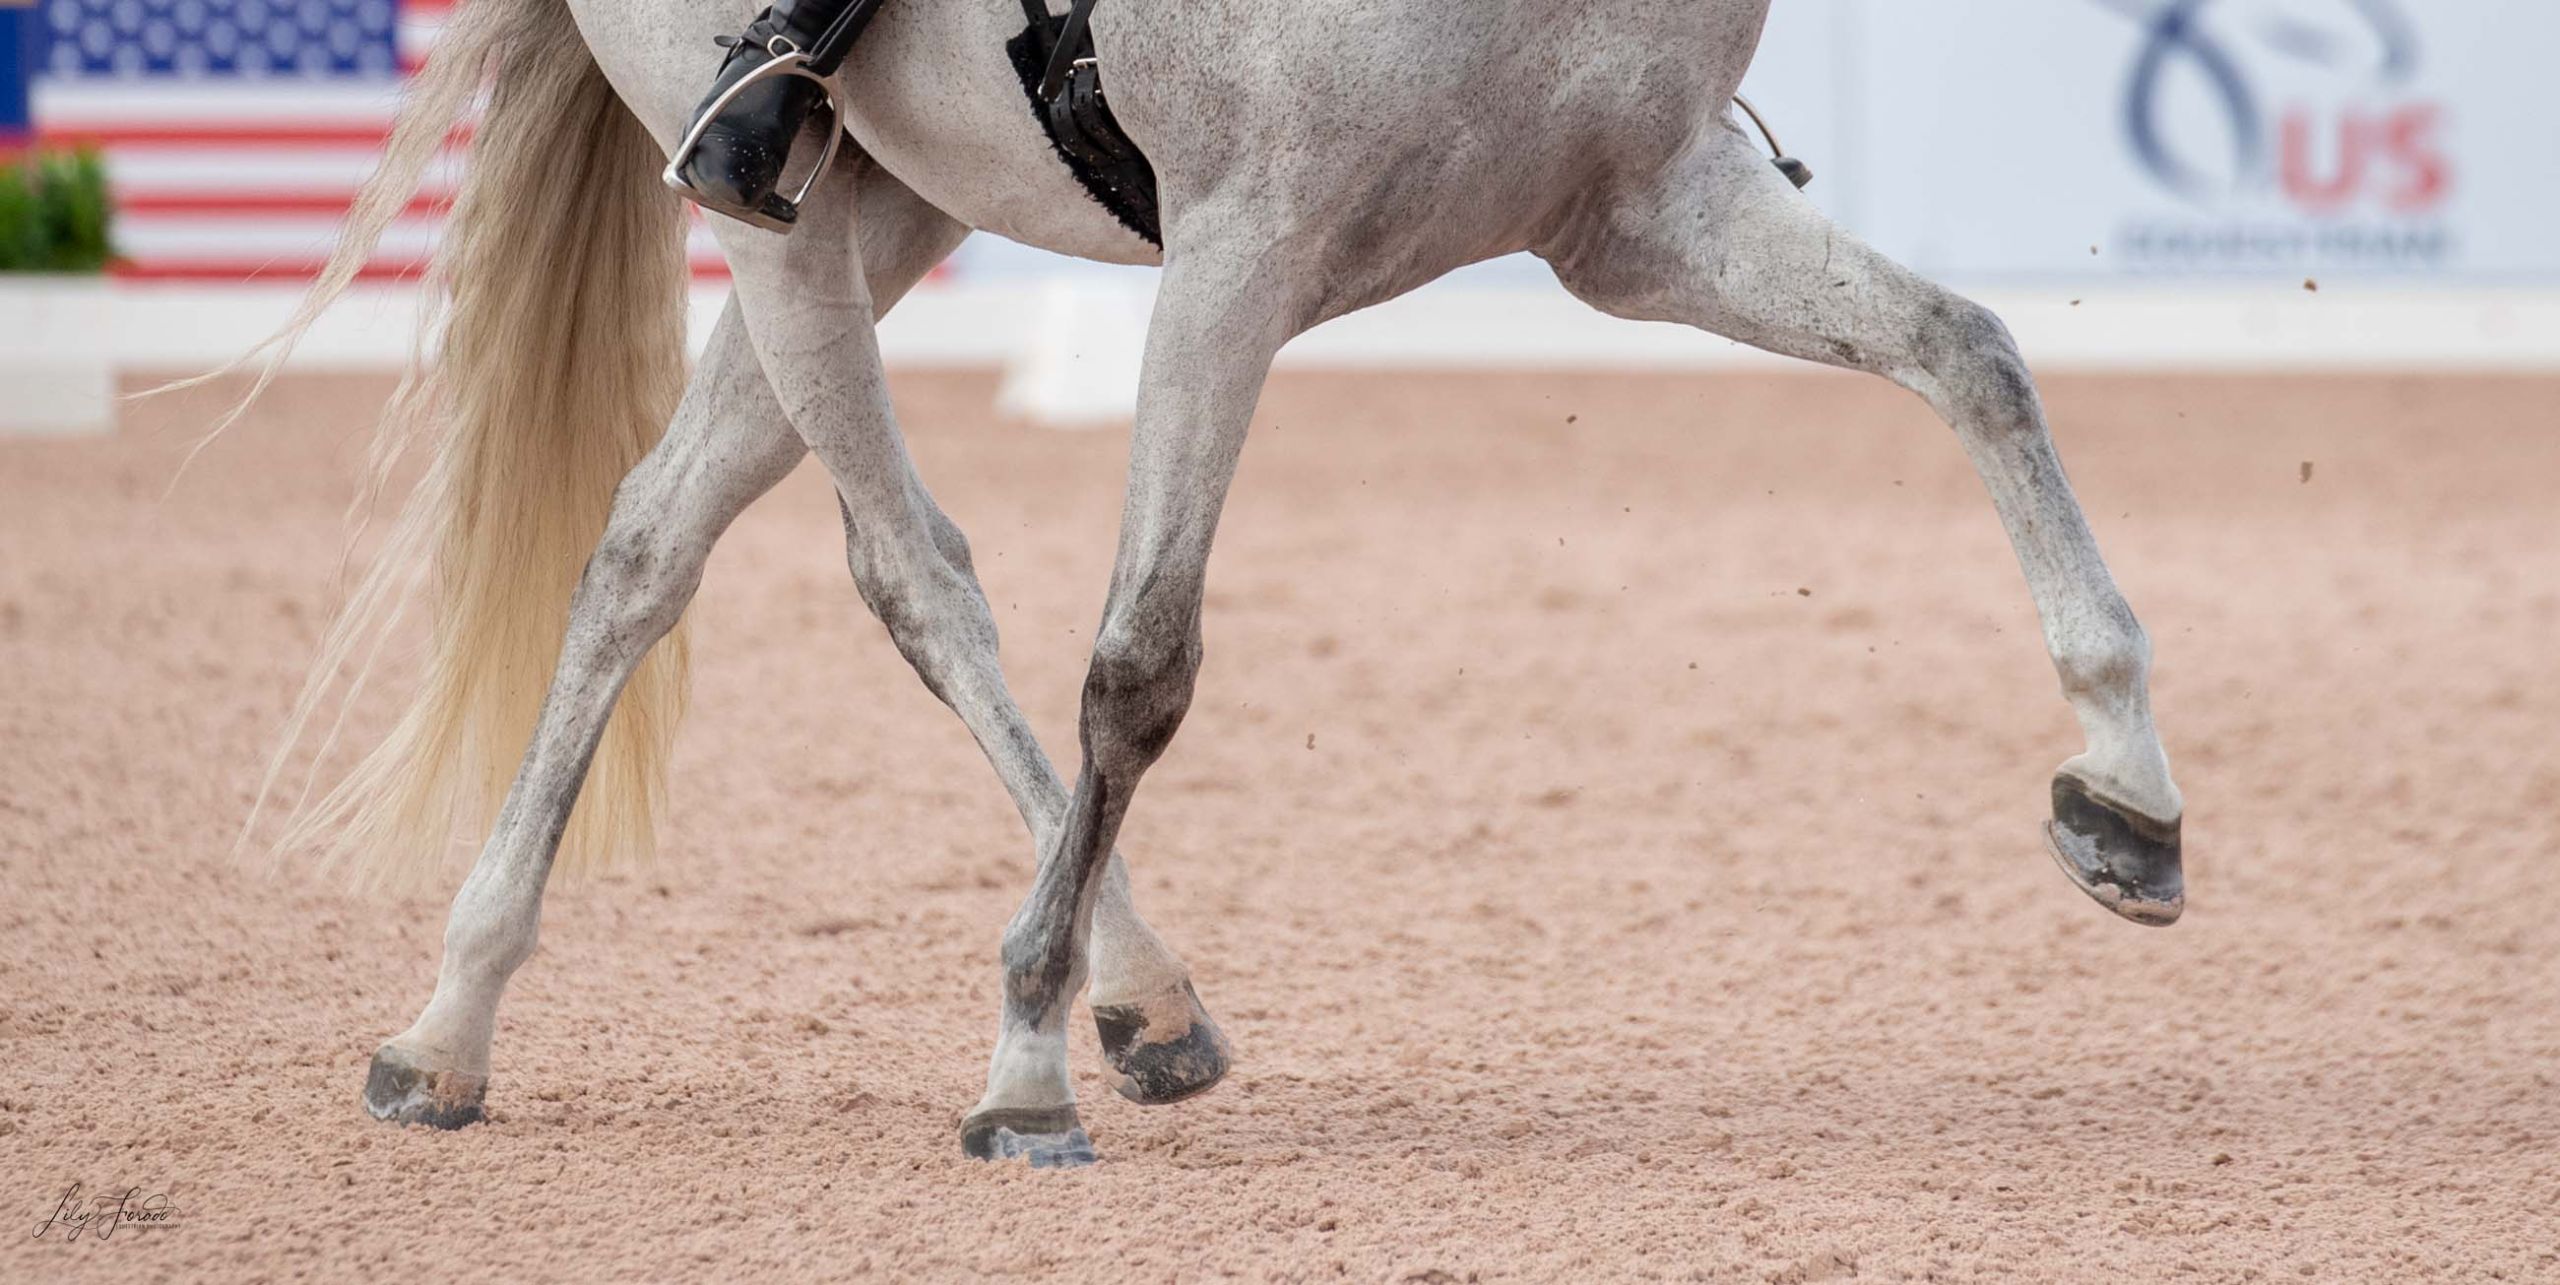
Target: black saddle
{"x": 1055, "y": 58}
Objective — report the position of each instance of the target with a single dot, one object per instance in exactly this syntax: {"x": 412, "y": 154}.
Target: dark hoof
{"x": 1048, "y": 1137}
{"x": 2127, "y": 862}
{"x": 401, "y": 1092}
{"x": 1165, "y": 1051}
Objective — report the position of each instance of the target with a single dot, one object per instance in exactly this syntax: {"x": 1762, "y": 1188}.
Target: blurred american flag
{"x": 237, "y": 131}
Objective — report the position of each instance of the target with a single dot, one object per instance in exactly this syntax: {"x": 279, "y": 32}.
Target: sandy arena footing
{"x": 1607, "y": 828}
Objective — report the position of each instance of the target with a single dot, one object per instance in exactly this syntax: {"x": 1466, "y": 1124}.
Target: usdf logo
{"x": 2295, "y": 132}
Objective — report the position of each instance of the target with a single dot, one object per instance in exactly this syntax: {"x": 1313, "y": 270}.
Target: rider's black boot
{"x": 739, "y": 146}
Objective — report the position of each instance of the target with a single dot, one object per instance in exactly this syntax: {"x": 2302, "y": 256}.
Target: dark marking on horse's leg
{"x": 2127, "y": 862}
{"x": 1164, "y": 1050}
{"x": 402, "y": 1092}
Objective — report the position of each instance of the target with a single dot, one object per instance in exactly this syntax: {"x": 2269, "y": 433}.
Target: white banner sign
{"x": 2185, "y": 138}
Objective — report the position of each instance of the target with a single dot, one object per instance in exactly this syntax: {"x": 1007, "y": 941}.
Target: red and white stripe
{"x": 249, "y": 180}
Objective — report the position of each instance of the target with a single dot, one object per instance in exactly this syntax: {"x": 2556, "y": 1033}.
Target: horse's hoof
{"x": 1048, "y": 1137}
{"x": 1165, "y": 1050}
{"x": 2125, "y": 861}
{"x": 403, "y": 1092}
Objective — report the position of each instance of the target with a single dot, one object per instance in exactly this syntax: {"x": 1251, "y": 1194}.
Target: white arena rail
{"x": 1086, "y": 372}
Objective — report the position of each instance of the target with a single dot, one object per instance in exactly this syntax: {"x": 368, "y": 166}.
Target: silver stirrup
{"x": 787, "y": 60}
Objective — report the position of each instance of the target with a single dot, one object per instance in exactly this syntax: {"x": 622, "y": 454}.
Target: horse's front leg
{"x": 666, "y": 516}
{"x": 808, "y": 301}
{"x": 1220, "y": 315}
{"x": 1724, "y": 242}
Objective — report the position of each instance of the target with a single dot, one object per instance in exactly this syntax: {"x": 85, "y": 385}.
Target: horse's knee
{"x": 492, "y": 930}
{"x": 1975, "y": 371}
{"x": 1139, "y": 686}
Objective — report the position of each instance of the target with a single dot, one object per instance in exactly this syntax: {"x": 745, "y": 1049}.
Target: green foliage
{"x": 55, "y": 213}
{"x": 21, "y": 234}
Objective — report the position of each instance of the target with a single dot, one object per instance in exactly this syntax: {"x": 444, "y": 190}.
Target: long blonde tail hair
{"x": 558, "y": 310}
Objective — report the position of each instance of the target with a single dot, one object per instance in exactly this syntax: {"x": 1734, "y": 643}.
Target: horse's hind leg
{"x": 913, "y": 568}
{"x": 1722, "y": 241}
{"x": 666, "y": 515}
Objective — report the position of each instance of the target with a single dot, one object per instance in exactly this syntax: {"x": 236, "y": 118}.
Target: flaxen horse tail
{"x": 557, "y": 316}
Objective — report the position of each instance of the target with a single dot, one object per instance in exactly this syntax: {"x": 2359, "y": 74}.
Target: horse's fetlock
{"x": 1040, "y": 964}
{"x": 493, "y": 944}
{"x": 2117, "y": 662}
{"x": 1026, "y": 948}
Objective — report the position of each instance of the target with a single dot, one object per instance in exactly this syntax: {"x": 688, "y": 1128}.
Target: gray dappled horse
{"x": 1313, "y": 158}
